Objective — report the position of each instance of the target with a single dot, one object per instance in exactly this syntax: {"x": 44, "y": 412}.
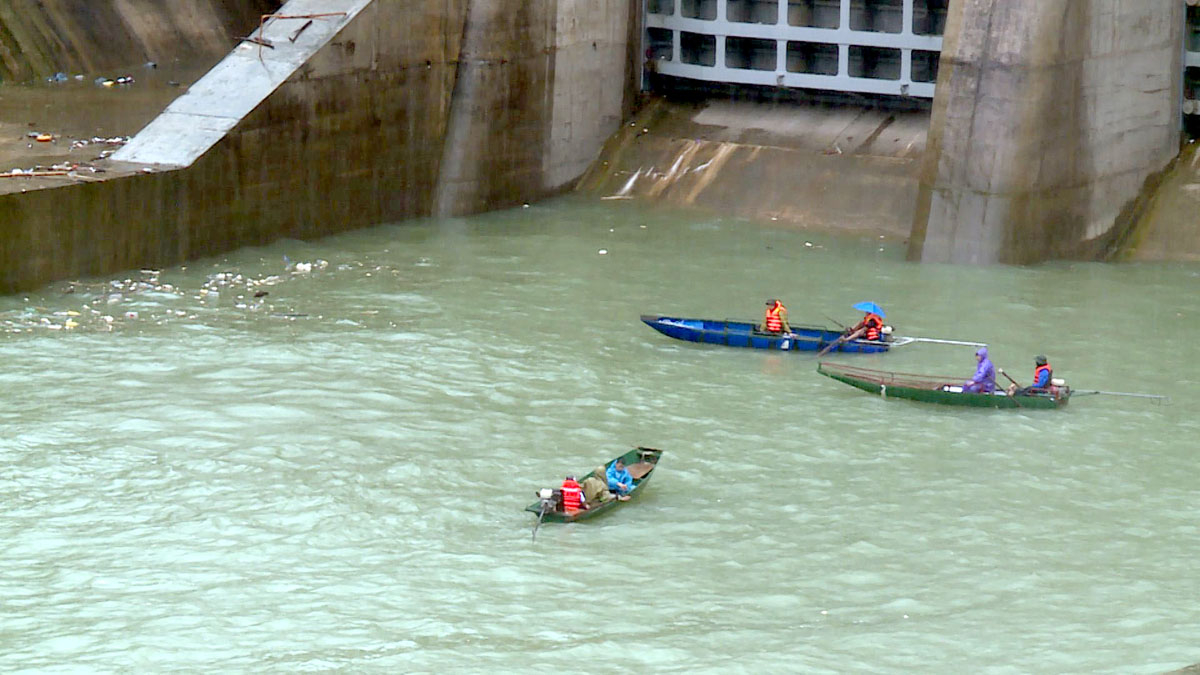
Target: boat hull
{"x": 634, "y": 456}
{"x": 745, "y": 334}
{"x": 939, "y": 390}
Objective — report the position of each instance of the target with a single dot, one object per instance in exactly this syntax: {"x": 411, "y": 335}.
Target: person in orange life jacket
{"x": 870, "y": 328}
{"x": 775, "y": 320}
{"x": 572, "y": 495}
{"x": 1042, "y": 374}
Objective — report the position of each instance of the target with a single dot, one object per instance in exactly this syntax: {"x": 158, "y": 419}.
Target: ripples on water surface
{"x": 331, "y": 476}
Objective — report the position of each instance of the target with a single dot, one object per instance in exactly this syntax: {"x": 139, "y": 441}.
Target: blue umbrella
{"x": 867, "y": 306}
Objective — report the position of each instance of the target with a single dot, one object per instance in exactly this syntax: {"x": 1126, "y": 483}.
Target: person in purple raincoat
{"x": 984, "y": 381}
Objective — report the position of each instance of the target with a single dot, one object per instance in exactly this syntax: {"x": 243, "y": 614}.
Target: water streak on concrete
{"x": 779, "y": 162}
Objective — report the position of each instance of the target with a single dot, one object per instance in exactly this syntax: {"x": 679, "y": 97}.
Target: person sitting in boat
{"x": 870, "y": 328}
{"x": 984, "y": 380}
{"x": 572, "y": 495}
{"x": 595, "y": 487}
{"x": 775, "y": 320}
{"x": 1042, "y": 374}
{"x": 619, "y": 480}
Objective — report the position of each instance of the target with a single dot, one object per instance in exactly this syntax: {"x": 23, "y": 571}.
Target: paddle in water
{"x": 541, "y": 514}
{"x": 840, "y": 341}
{"x": 547, "y": 504}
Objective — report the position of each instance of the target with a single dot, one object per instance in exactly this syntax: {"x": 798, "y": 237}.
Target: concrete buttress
{"x": 1050, "y": 116}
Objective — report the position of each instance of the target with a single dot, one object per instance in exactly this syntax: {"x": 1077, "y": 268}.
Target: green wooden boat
{"x": 937, "y": 389}
{"x": 640, "y": 462}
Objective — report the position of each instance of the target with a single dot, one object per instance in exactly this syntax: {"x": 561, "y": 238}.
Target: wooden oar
{"x": 1001, "y": 371}
{"x": 1006, "y": 391}
{"x": 840, "y": 341}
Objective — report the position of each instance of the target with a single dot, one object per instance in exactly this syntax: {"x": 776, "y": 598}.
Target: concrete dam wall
{"x": 1053, "y": 120}
{"x": 39, "y": 38}
{"x": 466, "y": 105}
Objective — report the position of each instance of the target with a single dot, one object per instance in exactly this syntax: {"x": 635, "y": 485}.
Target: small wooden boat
{"x": 746, "y": 334}
{"x": 937, "y": 389}
{"x": 639, "y": 462}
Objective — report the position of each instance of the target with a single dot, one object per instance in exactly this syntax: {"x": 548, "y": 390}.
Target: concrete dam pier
{"x": 1029, "y": 130}
{"x": 1051, "y": 115}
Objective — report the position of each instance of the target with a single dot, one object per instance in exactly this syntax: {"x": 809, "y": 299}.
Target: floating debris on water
{"x": 111, "y": 82}
{"x": 149, "y": 298}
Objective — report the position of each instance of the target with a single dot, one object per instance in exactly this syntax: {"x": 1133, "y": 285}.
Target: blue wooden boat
{"x": 746, "y": 334}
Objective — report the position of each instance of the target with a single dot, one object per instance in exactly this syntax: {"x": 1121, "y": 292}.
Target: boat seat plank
{"x": 640, "y": 469}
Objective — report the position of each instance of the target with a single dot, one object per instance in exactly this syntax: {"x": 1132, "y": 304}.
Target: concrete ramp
{"x": 215, "y": 104}
{"x": 846, "y": 168}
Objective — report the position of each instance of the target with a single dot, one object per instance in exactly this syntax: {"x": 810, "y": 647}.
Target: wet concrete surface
{"x": 58, "y": 132}
{"x": 1168, "y": 231}
{"x": 805, "y": 165}
{"x": 828, "y": 129}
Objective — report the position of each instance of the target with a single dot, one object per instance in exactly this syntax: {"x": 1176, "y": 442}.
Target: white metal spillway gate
{"x": 863, "y": 46}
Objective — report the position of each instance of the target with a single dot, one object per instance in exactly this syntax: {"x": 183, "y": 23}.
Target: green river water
{"x": 331, "y": 476}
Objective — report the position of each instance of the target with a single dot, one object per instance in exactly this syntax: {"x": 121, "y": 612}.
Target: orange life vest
{"x": 572, "y": 495}
{"x": 1038, "y": 371}
{"x": 874, "y": 326}
{"x": 772, "y": 322}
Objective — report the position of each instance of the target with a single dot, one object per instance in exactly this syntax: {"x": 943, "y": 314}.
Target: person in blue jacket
{"x": 1042, "y": 374}
{"x": 984, "y": 380}
{"x": 619, "y": 480}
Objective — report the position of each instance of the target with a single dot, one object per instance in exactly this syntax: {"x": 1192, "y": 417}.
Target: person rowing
{"x": 1042, "y": 376}
{"x": 870, "y": 328}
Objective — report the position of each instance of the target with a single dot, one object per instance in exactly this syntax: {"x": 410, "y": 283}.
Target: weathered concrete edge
{"x": 214, "y": 105}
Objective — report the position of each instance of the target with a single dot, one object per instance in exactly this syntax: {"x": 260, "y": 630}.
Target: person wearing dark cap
{"x": 775, "y": 320}
{"x": 1042, "y": 374}
{"x": 572, "y": 495}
